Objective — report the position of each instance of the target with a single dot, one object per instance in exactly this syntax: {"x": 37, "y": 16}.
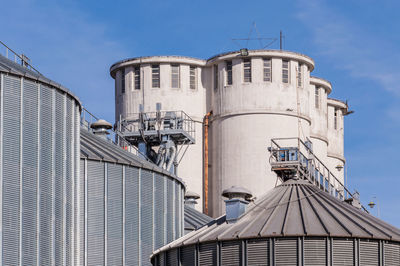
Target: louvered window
{"x": 137, "y": 78}
{"x": 123, "y": 80}
{"x": 175, "y": 79}
{"x": 369, "y": 253}
{"x": 247, "y": 70}
{"x": 231, "y": 253}
{"x": 215, "y": 77}
{"x": 193, "y": 77}
{"x": 316, "y": 97}
{"x": 335, "y": 119}
{"x": 392, "y": 254}
{"x": 187, "y": 256}
{"x": 267, "y": 69}
{"x": 208, "y": 254}
{"x": 172, "y": 257}
{"x": 343, "y": 252}
{"x": 286, "y": 251}
{"x": 228, "y": 72}
{"x": 299, "y": 76}
{"x": 315, "y": 251}
{"x": 155, "y": 76}
{"x": 285, "y": 71}
{"x": 257, "y": 252}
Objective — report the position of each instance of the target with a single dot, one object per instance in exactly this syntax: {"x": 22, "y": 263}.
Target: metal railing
{"x": 87, "y": 118}
{"x": 14, "y": 56}
{"x": 293, "y": 151}
{"x": 162, "y": 120}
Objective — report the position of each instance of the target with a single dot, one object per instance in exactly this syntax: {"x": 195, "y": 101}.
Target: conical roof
{"x": 294, "y": 208}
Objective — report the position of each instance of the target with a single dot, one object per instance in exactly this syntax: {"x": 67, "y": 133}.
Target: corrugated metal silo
{"x": 130, "y": 207}
{"x": 39, "y": 145}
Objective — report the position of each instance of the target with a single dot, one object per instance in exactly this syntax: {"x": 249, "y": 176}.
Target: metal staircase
{"x": 292, "y": 158}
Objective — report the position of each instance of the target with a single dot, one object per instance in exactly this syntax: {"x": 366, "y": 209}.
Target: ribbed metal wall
{"x": 315, "y": 251}
{"x": 39, "y": 145}
{"x": 126, "y": 213}
{"x": 285, "y": 251}
{"x": 391, "y": 253}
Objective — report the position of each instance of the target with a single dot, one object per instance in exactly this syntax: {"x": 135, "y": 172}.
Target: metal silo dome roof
{"x": 294, "y": 208}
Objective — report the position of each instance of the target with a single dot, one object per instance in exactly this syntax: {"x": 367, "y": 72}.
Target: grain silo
{"x": 178, "y": 83}
{"x": 129, "y": 206}
{"x": 39, "y": 165}
{"x": 256, "y": 96}
{"x": 251, "y": 102}
{"x": 295, "y": 223}
{"x": 336, "y": 112}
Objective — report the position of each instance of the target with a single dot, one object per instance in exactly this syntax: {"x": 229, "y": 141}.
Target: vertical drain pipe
{"x": 205, "y": 170}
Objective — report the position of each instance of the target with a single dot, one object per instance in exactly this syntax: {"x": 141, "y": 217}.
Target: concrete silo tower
{"x": 177, "y": 83}
{"x": 255, "y": 97}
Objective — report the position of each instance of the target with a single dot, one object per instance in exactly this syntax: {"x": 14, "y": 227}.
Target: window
{"x": 193, "y": 78}
{"x": 137, "y": 78}
{"x": 228, "y": 72}
{"x": 155, "y": 76}
{"x": 215, "y": 77}
{"x": 285, "y": 71}
{"x": 123, "y": 80}
{"x": 335, "y": 122}
{"x": 316, "y": 97}
{"x": 267, "y": 69}
{"x": 175, "y": 76}
{"x": 247, "y": 70}
{"x": 299, "y": 77}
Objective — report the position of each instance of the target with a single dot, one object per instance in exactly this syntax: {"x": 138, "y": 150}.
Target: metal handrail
{"x": 87, "y": 118}
{"x": 276, "y": 148}
{"x": 16, "y": 55}
{"x": 133, "y": 124}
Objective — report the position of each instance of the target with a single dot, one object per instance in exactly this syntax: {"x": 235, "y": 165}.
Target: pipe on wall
{"x": 206, "y": 120}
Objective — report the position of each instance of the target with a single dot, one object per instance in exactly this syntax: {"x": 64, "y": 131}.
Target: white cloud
{"x": 341, "y": 40}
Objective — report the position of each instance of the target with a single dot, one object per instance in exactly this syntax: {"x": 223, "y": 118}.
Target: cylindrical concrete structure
{"x": 255, "y": 98}
{"x": 178, "y": 84}
{"x": 336, "y": 160}
{"x": 39, "y": 166}
{"x": 129, "y": 207}
{"x": 319, "y": 90}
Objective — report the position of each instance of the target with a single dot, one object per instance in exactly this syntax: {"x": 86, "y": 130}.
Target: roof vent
{"x": 101, "y": 127}
{"x": 191, "y": 199}
{"x": 238, "y": 199}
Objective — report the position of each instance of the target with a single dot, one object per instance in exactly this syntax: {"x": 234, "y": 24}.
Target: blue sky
{"x": 355, "y": 45}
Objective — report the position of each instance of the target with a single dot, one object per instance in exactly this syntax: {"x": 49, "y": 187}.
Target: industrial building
{"x": 77, "y": 191}
{"x": 39, "y": 167}
{"x": 295, "y": 223}
{"x": 69, "y": 194}
{"x": 248, "y": 101}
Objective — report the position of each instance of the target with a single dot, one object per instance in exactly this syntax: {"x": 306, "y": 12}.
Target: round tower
{"x": 336, "y": 160}
{"x": 256, "y": 96}
{"x": 177, "y": 83}
{"x": 319, "y": 91}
